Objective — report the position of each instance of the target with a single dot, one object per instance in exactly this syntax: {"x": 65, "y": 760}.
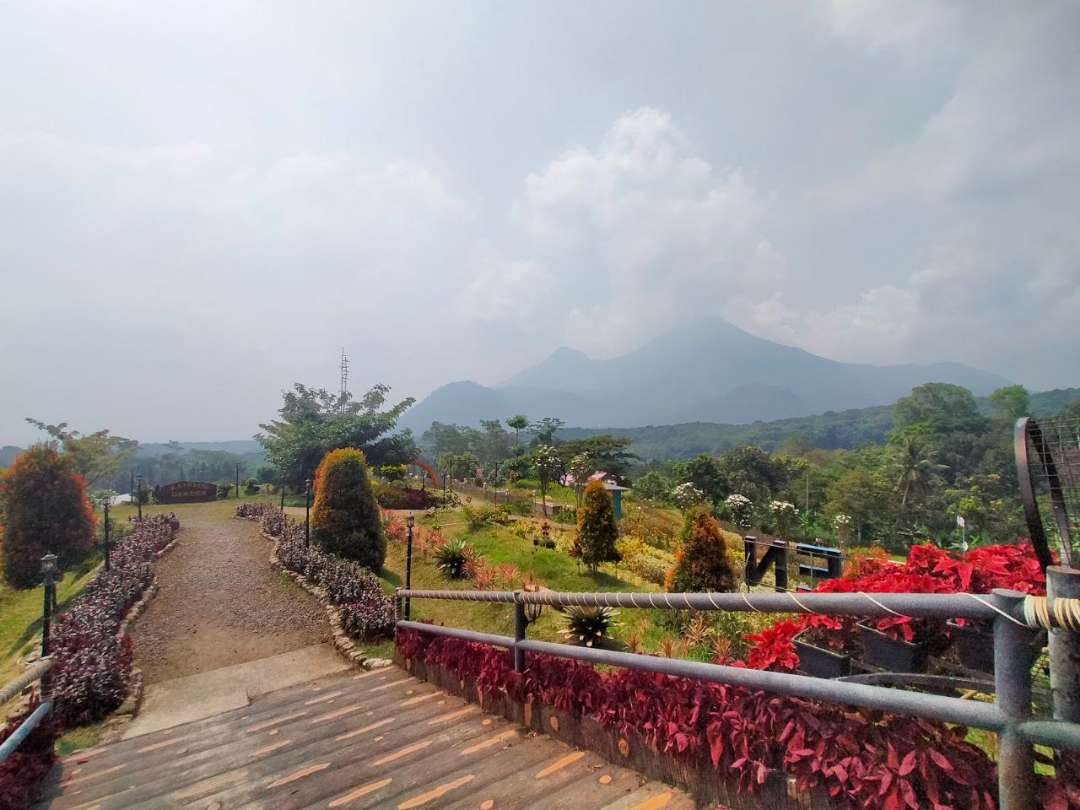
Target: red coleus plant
{"x": 928, "y": 569}
{"x": 862, "y": 759}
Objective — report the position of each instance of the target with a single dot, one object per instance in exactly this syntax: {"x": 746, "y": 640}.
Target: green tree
{"x": 702, "y": 562}
{"x": 46, "y": 510}
{"x": 97, "y": 456}
{"x": 1010, "y": 403}
{"x": 942, "y": 407}
{"x": 546, "y": 462}
{"x": 605, "y": 452}
{"x": 597, "y": 530}
{"x": 517, "y": 423}
{"x": 544, "y": 430}
{"x": 345, "y": 517}
{"x": 314, "y": 421}
{"x": 706, "y": 474}
{"x": 915, "y": 464}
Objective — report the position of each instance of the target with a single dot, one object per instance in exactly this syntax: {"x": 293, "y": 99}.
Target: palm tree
{"x": 916, "y": 465}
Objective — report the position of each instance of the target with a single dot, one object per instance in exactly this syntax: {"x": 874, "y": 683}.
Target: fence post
{"x": 520, "y": 623}
{"x": 1064, "y": 583}
{"x": 409, "y": 522}
{"x": 1013, "y": 657}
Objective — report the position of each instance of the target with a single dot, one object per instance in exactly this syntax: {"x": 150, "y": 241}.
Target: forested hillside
{"x": 833, "y": 430}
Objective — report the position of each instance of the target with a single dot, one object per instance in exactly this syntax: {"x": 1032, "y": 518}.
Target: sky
{"x": 203, "y": 203}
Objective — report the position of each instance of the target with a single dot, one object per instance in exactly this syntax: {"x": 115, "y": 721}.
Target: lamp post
{"x": 410, "y": 521}
{"x": 138, "y": 493}
{"x": 283, "y": 497}
{"x": 105, "y": 509}
{"x": 48, "y": 579}
{"x": 307, "y": 512}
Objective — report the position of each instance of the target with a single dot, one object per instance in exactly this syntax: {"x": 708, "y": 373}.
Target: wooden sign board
{"x": 185, "y": 492}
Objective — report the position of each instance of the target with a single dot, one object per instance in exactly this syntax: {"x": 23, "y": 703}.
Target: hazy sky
{"x": 200, "y": 203}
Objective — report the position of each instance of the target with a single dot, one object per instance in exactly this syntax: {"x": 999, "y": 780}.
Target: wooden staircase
{"x": 378, "y": 739}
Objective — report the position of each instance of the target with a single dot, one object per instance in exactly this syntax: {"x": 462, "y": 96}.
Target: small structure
{"x": 616, "y": 497}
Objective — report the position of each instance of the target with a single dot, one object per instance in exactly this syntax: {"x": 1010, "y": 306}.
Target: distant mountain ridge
{"x": 707, "y": 371}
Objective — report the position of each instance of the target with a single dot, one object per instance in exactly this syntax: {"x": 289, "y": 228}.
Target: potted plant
{"x": 974, "y": 643}
{"x": 825, "y": 646}
{"x": 896, "y": 645}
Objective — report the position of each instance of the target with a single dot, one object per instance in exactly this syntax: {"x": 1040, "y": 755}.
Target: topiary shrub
{"x": 345, "y": 518}
{"x": 597, "y": 531}
{"x": 46, "y": 510}
{"x": 702, "y": 562}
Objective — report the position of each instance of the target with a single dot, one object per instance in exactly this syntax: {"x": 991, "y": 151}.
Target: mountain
{"x": 707, "y": 371}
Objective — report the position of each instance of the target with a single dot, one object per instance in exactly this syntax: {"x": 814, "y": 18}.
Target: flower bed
{"x": 860, "y": 759}
{"x": 365, "y": 612}
{"x": 92, "y": 675}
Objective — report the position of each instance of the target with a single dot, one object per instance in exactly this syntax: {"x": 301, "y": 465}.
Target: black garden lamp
{"x": 532, "y": 609}
{"x": 410, "y": 521}
{"x": 307, "y": 512}
{"x": 105, "y": 527}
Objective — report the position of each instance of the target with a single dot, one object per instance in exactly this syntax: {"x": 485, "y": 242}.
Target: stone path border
{"x": 342, "y": 643}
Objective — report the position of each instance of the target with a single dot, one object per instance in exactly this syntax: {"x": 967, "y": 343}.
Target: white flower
{"x": 783, "y": 507}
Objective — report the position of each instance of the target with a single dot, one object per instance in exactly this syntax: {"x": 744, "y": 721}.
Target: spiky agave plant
{"x": 588, "y": 625}
{"x": 453, "y": 558}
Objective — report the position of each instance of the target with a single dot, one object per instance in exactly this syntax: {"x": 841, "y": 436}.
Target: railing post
{"x": 1013, "y": 657}
{"x": 520, "y": 624}
{"x": 1064, "y": 583}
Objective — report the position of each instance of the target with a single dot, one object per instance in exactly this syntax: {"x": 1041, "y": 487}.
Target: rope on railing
{"x": 32, "y": 673}
{"x": 1041, "y": 611}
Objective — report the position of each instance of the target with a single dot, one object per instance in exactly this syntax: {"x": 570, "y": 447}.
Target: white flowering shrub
{"x": 687, "y": 495}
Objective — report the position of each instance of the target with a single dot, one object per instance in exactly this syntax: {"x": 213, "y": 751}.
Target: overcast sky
{"x": 199, "y": 206}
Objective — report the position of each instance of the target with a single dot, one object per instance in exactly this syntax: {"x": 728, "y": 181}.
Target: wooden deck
{"x": 378, "y": 739}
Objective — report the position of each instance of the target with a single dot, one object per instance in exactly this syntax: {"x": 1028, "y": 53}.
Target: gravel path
{"x": 221, "y": 603}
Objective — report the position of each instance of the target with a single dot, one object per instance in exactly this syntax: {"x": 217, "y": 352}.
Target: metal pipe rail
{"x": 877, "y": 605}
{"x": 1009, "y": 716}
{"x": 34, "y": 673}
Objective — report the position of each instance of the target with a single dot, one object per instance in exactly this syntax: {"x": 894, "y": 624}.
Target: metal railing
{"x": 36, "y": 672}
{"x": 1016, "y": 618}
{"x": 39, "y": 670}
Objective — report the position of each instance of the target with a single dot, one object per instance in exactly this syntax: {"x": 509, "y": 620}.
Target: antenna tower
{"x": 343, "y": 393}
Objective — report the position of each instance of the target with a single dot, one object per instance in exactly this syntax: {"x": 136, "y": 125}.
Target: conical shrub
{"x": 702, "y": 562}
{"x": 597, "y": 530}
{"x": 345, "y": 515}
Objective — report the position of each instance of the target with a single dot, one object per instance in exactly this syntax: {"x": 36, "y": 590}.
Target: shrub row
{"x": 93, "y": 660}
{"x": 862, "y": 759}
{"x": 399, "y": 496}
{"x": 366, "y": 611}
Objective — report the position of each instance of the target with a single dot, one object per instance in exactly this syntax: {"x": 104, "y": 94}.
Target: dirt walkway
{"x": 221, "y": 603}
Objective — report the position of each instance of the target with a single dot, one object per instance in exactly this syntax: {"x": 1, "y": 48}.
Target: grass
{"x": 553, "y": 569}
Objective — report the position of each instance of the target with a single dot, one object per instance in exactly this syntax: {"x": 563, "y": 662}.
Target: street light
{"x": 138, "y": 493}
{"x": 105, "y": 509}
{"x": 307, "y": 512}
{"x": 48, "y": 579}
{"x": 410, "y": 521}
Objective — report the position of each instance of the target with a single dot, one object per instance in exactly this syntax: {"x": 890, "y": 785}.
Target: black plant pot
{"x": 879, "y": 650}
{"x": 974, "y": 646}
{"x": 822, "y": 663}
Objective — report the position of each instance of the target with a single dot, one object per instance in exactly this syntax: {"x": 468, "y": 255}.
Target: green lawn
{"x": 553, "y": 569}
